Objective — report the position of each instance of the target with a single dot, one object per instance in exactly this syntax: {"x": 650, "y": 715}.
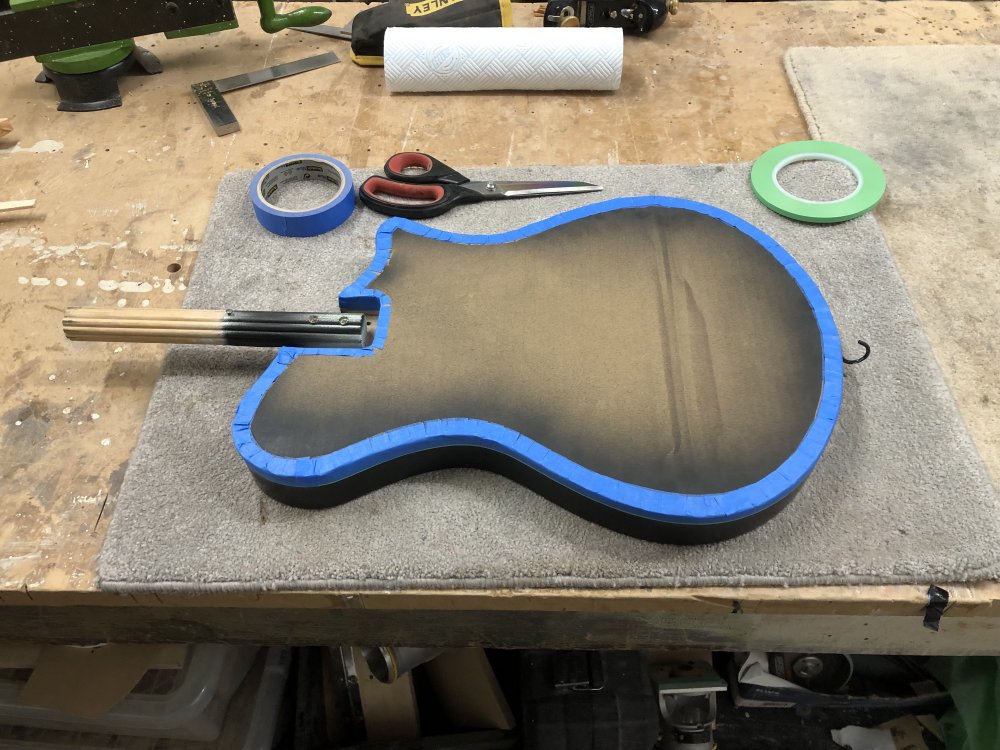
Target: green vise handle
{"x": 270, "y": 20}
{"x": 273, "y": 22}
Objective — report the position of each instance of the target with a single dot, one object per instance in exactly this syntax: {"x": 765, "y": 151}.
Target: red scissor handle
{"x": 414, "y": 201}
{"x": 421, "y": 169}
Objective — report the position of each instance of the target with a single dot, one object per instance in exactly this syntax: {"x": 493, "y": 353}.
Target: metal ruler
{"x": 209, "y": 93}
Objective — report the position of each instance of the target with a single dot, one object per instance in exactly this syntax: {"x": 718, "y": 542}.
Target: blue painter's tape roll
{"x": 306, "y": 222}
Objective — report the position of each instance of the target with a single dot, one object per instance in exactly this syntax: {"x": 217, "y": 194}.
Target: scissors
{"x": 418, "y": 186}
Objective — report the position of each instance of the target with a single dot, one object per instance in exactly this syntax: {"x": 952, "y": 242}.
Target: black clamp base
{"x": 90, "y": 92}
{"x": 631, "y": 16}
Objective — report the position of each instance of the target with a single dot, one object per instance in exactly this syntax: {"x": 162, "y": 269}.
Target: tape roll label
{"x": 300, "y": 170}
{"x": 427, "y": 7}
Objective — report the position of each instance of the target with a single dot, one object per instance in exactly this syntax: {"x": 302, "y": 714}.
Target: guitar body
{"x": 655, "y": 365}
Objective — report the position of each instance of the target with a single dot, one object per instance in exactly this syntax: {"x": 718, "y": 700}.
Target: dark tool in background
{"x": 85, "y": 46}
{"x": 587, "y": 699}
{"x": 418, "y": 186}
{"x": 631, "y": 16}
{"x": 368, "y": 27}
{"x": 834, "y": 681}
{"x": 822, "y": 673}
{"x": 366, "y": 31}
{"x": 686, "y": 690}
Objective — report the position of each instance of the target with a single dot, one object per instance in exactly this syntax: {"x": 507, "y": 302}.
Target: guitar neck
{"x": 219, "y": 327}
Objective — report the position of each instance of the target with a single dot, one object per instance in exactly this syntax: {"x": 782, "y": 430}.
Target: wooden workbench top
{"x": 124, "y": 196}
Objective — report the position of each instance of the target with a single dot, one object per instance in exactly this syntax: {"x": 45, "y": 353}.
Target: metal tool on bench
{"x": 334, "y": 32}
{"x": 631, "y": 16}
{"x": 222, "y": 327}
{"x": 85, "y": 46}
{"x": 209, "y": 93}
{"x": 418, "y": 186}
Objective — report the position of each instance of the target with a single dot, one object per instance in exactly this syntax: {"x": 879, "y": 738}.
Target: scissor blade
{"x": 529, "y": 188}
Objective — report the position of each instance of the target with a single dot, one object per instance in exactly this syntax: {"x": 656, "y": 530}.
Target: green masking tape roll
{"x": 764, "y": 181}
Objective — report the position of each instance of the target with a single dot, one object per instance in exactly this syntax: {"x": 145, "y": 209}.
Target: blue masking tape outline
{"x": 658, "y": 505}
{"x": 308, "y": 222}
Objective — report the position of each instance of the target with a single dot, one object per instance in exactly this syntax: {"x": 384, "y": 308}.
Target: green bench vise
{"x": 85, "y": 46}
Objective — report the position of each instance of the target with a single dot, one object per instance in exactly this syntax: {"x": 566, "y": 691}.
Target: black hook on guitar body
{"x": 862, "y": 358}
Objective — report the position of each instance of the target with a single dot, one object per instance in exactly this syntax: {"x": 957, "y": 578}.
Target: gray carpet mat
{"x": 930, "y": 115}
{"x": 899, "y": 496}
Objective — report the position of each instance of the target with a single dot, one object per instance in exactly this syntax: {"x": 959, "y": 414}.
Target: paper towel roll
{"x": 539, "y": 59}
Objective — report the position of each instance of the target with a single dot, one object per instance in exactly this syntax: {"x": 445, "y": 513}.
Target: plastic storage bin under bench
{"x": 188, "y": 703}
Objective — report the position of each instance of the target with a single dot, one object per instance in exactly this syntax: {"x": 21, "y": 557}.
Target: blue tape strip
{"x": 309, "y": 222}
{"x": 649, "y": 503}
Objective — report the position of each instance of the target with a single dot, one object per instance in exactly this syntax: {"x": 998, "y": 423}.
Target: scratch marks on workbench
{"x": 100, "y": 514}
{"x": 41, "y": 147}
{"x": 631, "y": 135}
{"x": 167, "y": 286}
{"x": 84, "y": 155}
{"x": 129, "y": 287}
{"x": 89, "y": 499}
{"x": 231, "y": 139}
{"x": 38, "y": 251}
{"x": 34, "y": 280}
{"x": 29, "y": 247}
{"x": 189, "y": 246}
{"x": 17, "y": 241}
{"x": 47, "y": 429}
{"x": 32, "y": 421}
{"x": 614, "y": 157}
{"x": 409, "y": 127}
{"x": 47, "y": 252}
{"x": 135, "y": 287}
{"x": 10, "y": 561}
{"x": 270, "y": 44}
